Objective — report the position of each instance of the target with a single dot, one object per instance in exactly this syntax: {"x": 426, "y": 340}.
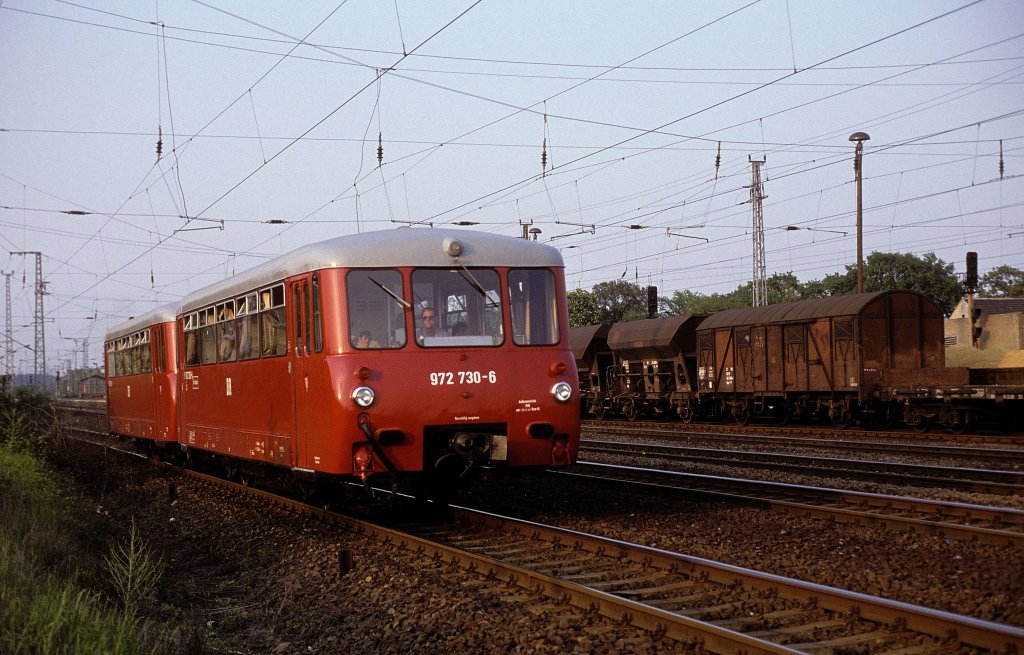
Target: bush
{"x": 42, "y": 608}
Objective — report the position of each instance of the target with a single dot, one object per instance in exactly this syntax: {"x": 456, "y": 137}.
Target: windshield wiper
{"x": 468, "y": 277}
{"x": 400, "y": 300}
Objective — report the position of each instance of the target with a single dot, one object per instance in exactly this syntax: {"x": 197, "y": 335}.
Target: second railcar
{"x": 141, "y": 377}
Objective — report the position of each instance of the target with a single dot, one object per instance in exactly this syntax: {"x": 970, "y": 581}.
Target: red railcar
{"x": 319, "y": 362}
{"x": 142, "y": 385}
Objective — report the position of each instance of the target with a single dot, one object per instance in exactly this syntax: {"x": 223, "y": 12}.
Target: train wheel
{"x": 600, "y": 412}
{"x": 841, "y": 420}
{"x": 686, "y": 414}
{"x": 922, "y": 424}
{"x": 963, "y": 422}
{"x": 782, "y": 415}
{"x": 742, "y": 414}
{"x": 632, "y": 412}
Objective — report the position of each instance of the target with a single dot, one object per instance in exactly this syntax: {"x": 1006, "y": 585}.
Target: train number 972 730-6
{"x": 441, "y": 378}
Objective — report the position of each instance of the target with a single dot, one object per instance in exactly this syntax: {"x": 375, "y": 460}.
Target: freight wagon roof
{"x": 163, "y": 314}
{"x": 582, "y": 339}
{"x": 652, "y": 334}
{"x": 386, "y": 248}
{"x": 801, "y": 310}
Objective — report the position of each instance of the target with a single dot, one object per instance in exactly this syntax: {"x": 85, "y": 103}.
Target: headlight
{"x": 363, "y": 396}
{"x": 562, "y": 392}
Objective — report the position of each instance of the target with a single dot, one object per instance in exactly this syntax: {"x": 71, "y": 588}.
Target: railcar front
{"x": 141, "y": 378}
{"x": 456, "y": 357}
{"x": 416, "y": 352}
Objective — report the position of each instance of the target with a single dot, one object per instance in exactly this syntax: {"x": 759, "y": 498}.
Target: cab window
{"x": 463, "y": 306}
{"x": 376, "y": 308}
{"x": 533, "y": 307}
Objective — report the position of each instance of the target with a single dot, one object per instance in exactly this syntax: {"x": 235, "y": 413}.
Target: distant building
{"x": 1001, "y": 321}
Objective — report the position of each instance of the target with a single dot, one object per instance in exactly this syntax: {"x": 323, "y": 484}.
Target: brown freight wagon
{"x": 655, "y": 367}
{"x": 589, "y": 345}
{"x": 828, "y": 357}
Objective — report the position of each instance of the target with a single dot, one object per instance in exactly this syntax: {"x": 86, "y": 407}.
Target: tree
{"x": 1002, "y": 282}
{"x": 615, "y": 300}
{"x": 583, "y": 308}
{"x": 886, "y": 271}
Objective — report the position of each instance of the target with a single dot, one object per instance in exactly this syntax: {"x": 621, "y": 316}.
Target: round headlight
{"x": 363, "y": 396}
{"x": 562, "y": 392}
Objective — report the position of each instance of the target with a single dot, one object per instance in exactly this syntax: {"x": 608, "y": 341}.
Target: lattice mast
{"x": 40, "y": 333}
{"x": 760, "y": 279}
{"x": 9, "y": 332}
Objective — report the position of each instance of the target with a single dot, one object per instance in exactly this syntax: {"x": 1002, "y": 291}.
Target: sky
{"x": 622, "y": 133}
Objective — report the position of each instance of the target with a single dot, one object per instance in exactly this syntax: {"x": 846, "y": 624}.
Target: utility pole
{"x": 40, "y": 340}
{"x": 9, "y": 333}
{"x": 760, "y": 279}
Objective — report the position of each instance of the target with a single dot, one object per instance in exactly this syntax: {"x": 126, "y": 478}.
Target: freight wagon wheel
{"x": 742, "y": 414}
{"x": 686, "y": 414}
{"x": 841, "y": 419}
{"x": 963, "y": 422}
{"x": 632, "y": 411}
{"x": 922, "y": 424}
{"x": 600, "y": 412}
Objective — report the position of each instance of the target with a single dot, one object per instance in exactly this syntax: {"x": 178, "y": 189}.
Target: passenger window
{"x": 207, "y": 336}
{"x": 247, "y": 327}
{"x": 465, "y": 305}
{"x": 318, "y": 329}
{"x": 533, "y": 307}
{"x": 376, "y": 308}
{"x": 273, "y": 339}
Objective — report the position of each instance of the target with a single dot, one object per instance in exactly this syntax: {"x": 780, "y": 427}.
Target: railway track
{"x": 762, "y": 431}
{"x": 984, "y": 524}
{"x": 962, "y": 479}
{"x": 999, "y": 453}
{"x": 713, "y": 606}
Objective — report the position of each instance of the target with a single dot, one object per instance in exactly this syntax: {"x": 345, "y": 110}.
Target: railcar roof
{"x": 802, "y": 310}
{"x": 163, "y": 314}
{"x": 420, "y": 247}
{"x": 650, "y": 332}
{"x": 581, "y": 338}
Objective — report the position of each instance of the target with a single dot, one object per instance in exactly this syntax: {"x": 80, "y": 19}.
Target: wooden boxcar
{"x": 830, "y": 357}
{"x": 142, "y": 384}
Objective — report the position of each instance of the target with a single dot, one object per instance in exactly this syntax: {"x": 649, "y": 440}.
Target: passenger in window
{"x": 366, "y": 340}
{"x": 460, "y": 329}
{"x": 428, "y": 328}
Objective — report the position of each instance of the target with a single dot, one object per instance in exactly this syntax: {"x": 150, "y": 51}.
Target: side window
{"x": 456, "y": 308}
{"x": 307, "y": 330}
{"x": 318, "y": 328}
{"x": 207, "y": 336}
{"x": 190, "y": 336}
{"x": 247, "y": 326}
{"x": 533, "y": 306}
{"x": 376, "y": 308}
{"x": 227, "y": 334}
{"x": 273, "y": 339}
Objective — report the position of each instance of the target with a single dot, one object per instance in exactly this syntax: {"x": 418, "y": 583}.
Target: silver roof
{"x": 399, "y": 247}
{"x": 163, "y": 314}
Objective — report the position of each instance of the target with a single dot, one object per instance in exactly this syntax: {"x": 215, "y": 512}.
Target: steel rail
{"x": 981, "y": 523}
{"x": 981, "y": 480}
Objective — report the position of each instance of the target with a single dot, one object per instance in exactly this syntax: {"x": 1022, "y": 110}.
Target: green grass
{"x": 43, "y": 608}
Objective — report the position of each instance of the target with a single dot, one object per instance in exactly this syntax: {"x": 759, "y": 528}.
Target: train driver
{"x": 428, "y": 328}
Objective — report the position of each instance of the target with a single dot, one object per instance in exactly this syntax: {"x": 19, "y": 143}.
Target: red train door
{"x": 162, "y": 400}
{"x": 301, "y": 337}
